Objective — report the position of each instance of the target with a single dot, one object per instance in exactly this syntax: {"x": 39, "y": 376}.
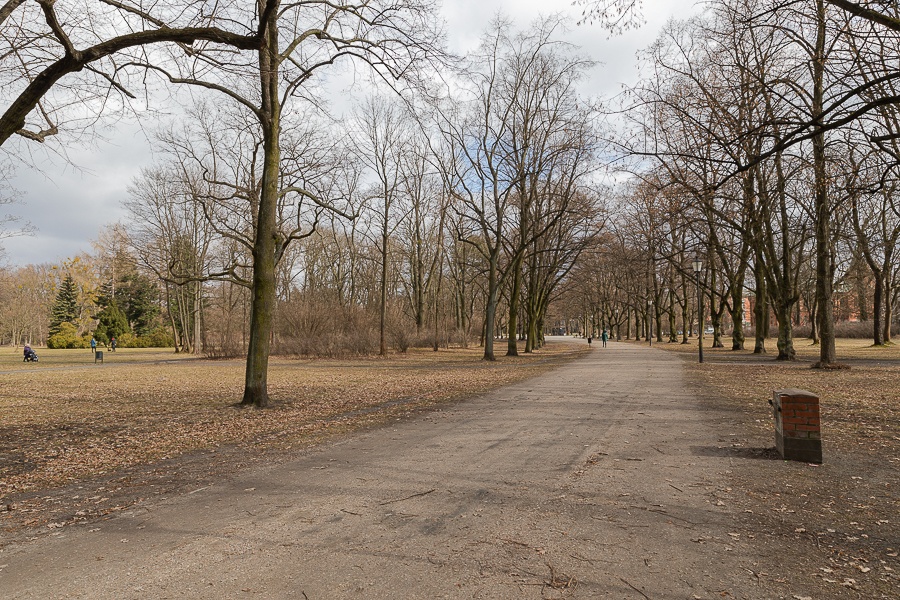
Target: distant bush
{"x": 127, "y": 340}
{"x": 223, "y": 349}
{"x": 158, "y": 338}
{"x": 316, "y": 325}
{"x": 319, "y": 327}
{"x": 67, "y": 337}
{"x": 859, "y": 330}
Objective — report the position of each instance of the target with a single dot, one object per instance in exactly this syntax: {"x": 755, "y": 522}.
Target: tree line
{"x": 100, "y": 294}
{"x": 274, "y": 228}
{"x": 465, "y": 200}
{"x": 762, "y": 141}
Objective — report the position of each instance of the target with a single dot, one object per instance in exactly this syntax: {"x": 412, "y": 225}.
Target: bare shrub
{"x": 399, "y": 328}
{"x": 224, "y": 349}
{"x": 319, "y": 326}
{"x": 858, "y": 330}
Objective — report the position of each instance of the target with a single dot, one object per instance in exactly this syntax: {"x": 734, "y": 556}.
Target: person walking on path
{"x": 112, "y": 344}
{"x": 93, "y": 345}
{"x": 604, "y": 337}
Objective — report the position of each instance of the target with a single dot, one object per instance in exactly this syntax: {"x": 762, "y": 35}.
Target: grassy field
{"x": 860, "y": 405}
{"x": 843, "y": 513}
{"x": 11, "y": 358}
{"x": 67, "y": 420}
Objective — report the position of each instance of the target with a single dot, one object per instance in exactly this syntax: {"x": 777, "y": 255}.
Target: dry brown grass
{"x": 842, "y": 514}
{"x": 66, "y": 419}
{"x": 860, "y": 405}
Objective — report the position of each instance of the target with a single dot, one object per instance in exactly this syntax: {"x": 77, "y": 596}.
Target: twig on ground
{"x": 635, "y": 589}
{"x": 517, "y": 543}
{"x": 579, "y": 557}
{"x": 408, "y": 497}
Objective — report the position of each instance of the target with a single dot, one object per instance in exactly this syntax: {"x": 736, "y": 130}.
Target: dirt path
{"x": 593, "y": 481}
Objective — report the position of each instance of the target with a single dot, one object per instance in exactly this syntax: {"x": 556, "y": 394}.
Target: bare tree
{"x": 261, "y": 57}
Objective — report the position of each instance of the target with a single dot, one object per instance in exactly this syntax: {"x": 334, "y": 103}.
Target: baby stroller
{"x": 30, "y": 355}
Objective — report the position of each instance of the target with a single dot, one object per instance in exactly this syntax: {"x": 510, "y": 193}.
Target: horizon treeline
{"x": 496, "y": 201}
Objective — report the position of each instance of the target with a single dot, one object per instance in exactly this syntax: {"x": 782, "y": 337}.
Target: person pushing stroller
{"x": 30, "y": 355}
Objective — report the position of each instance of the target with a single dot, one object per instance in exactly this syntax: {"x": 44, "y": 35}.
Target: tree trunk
{"x": 673, "y": 335}
{"x": 176, "y": 336}
{"x": 657, "y": 314}
{"x": 490, "y": 309}
{"x": 511, "y": 345}
{"x": 437, "y": 297}
{"x": 813, "y": 323}
{"x": 262, "y": 308}
{"x": 877, "y": 310}
{"x": 888, "y": 300}
{"x": 785, "y": 343}
{"x": 198, "y": 317}
{"x": 824, "y": 258}
{"x": 761, "y": 309}
{"x": 737, "y": 319}
{"x": 382, "y": 313}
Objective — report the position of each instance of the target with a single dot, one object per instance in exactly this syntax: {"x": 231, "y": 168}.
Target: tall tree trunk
{"x": 785, "y": 342}
{"x": 511, "y": 345}
{"x": 419, "y": 280}
{"x": 382, "y": 312}
{"x": 657, "y": 317}
{"x": 888, "y": 301}
{"x": 813, "y": 323}
{"x": 437, "y": 295}
{"x": 673, "y": 334}
{"x": 490, "y": 309}
{"x": 877, "y": 311}
{"x": 737, "y": 318}
{"x": 176, "y": 335}
{"x": 761, "y": 309}
{"x": 198, "y": 317}
{"x": 824, "y": 253}
{"x": 262, "y": 309}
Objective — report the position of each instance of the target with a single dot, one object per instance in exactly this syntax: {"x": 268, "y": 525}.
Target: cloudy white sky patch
{"x": 68, "y": 206}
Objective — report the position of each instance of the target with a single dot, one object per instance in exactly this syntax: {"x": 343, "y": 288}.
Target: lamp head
{"x": 698, "y": 265}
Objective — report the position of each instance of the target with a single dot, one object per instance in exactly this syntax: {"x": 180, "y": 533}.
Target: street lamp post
{"x": 698, "y": 268}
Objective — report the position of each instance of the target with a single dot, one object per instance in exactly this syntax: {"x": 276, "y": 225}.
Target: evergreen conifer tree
{"x": 112, "y": 323}
{"x": 65, "y": 308}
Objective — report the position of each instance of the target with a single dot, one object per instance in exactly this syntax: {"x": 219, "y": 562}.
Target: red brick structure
{"x": 797, "y": 426}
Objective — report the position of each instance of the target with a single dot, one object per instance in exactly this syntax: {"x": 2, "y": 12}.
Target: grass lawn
{"x": 841, "y": 515}
{"x": 860, "y": 405}
{"x": 66, "y": 420}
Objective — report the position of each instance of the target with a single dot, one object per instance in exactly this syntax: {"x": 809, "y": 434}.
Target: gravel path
{"x": 592, "y": 481}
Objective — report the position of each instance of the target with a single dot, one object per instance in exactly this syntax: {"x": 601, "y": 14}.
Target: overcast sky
{"x": 68, "y": 206}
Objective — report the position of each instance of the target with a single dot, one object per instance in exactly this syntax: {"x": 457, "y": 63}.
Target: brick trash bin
{"x": 798, "y": 433}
